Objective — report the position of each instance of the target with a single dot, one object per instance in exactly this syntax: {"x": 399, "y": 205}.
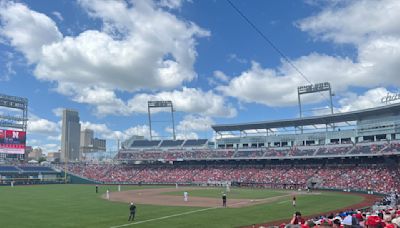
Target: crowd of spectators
{"x": 249, "y": 153}
{"x": 307, "y": 151}
{"x": 376, "y": 178}
{"x": 173, "y": 154}
{"x": 374, "y": 217}
{"x": 334, "y": 150}
{"x": 294, "y": 151}
{"x": 392, "y": 148}
{"x": 368, "y": 149}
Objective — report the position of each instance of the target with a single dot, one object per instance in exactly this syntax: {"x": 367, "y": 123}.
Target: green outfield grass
{"x": 80, "y": 206}
{"x": 234, "y": 193}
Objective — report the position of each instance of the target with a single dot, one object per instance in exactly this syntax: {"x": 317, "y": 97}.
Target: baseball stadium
{"x": 199, "y": 114}
{"x": 308, "y": 170}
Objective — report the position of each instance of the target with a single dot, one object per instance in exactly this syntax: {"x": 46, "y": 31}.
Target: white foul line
{"x": 174, "y": 215}
{"x": 285, "y": 201}
{"x": 165, "y": 217}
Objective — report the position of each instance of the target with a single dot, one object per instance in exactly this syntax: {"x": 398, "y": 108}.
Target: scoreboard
{"x": 12, "y": 142}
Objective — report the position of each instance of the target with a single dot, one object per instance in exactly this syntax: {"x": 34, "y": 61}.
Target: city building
{"x": 28, "y": 149}
{"x": 53, "y": 156}
{"x": 99, "y": 144}
{"x": 70, "y": 136}
{"x": 91, "y": 144}
{"x": 86, "y": 140}
{"x": 35, "y": 154}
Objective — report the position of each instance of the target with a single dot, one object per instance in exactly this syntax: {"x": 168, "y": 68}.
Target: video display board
{"x": 12, "y": 142}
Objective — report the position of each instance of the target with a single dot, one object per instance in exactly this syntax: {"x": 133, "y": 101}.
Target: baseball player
{"x": 224, "y": 200}
{"x": 228, "y": 189}
{"x": 132, "y": 210}
{"x": 294, "y": 201}
{"x": 185, "y": 196}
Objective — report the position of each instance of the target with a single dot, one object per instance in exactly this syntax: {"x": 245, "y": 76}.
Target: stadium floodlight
{"x": 161, "y": 104}
{"x": 316, "y": 88}
{"x": 14, "y": 121}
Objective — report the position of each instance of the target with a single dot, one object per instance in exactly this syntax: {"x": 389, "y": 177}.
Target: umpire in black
{"x": 224, "y": 200}
{"x": 132, "y": 209}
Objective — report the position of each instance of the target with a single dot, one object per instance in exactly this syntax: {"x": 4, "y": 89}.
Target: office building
{"x": 70, "y": 136}
{"x": 91, "y": 144}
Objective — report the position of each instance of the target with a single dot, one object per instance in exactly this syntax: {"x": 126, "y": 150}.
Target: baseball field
{"x": 80, "y": 206}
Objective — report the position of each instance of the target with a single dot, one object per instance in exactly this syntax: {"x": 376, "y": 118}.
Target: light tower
{"x": 161, "y": 104}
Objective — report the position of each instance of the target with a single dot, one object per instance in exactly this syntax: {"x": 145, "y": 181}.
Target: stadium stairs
{"x": 383, "y": 149}
{"x": 351, "y": 150}
{"x": 19, "y": 170}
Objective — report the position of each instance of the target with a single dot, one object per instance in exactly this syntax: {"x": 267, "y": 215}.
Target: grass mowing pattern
{"x": 281, "y": 209}
{"x": 234, "y": 193}
{"x": 80, "y": 206}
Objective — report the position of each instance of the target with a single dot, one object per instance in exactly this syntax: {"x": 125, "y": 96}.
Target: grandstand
{"x": 195, "y": 143}
{"x": 355, "y": 151}
{"x": 145, "y": 143}
{"x": 352, "y": 174}
{"x": 358, "y": 150}
{"x": 29, "y": 174}
{"x": 166, "y": 143}
{"x": 370, "y": 132}
{"x": 171, "y": 143}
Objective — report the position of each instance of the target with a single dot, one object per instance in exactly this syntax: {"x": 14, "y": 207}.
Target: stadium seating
{"x": 25, "y": 169}
{"x": 8, "y": 169}
{"x": 277, "y": 152}
{"x": 303, "y": 151}
{"x": 371, "y": 148}
{"x": 249, "y": 153}
{"x": 360, "y": 177}
{"x": 379, "y": 178}
{"x": 36, "y": 169}
{"x": 393, "y": 147}
{"x": 334, "y": 150}
{"x": 145, "y": 143}
{"x": 166, "y": 143}
{"x": 171, "y": 151}
{"x": 171, "y": 143}
{"x": 384, "y": 213}
{"x": 195, "y": 143}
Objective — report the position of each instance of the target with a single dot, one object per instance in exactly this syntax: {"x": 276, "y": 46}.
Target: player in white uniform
{"x": 185, "y": 196}
{"x": 294, "y": 201}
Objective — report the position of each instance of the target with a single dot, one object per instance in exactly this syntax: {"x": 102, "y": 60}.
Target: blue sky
{"x": 106, "y": 59}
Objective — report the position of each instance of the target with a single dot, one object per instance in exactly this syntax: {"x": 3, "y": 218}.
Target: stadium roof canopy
{"x": 393, "y": 109}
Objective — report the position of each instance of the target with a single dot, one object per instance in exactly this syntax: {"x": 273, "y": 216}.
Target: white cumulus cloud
{"x": 195, "y": 123}
{"x": 370, "y": 99}
{"x": 141, "y": 46}
{"x": 28, "y": 31}
{"x": 42, "y": 126}
{"x": 354, "y": 21}
{"x": 103, "y": 131}
{"x": 375, "y": 35}
{"x": 189, "y": 100}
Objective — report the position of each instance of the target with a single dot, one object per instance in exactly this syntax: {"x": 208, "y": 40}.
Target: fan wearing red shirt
{"x": 297, "y": 219}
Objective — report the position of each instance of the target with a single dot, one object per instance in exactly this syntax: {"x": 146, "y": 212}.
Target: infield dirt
{"x": 156, "y": 197}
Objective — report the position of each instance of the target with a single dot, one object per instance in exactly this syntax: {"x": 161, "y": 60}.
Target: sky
{"x": 106, "y": 59}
